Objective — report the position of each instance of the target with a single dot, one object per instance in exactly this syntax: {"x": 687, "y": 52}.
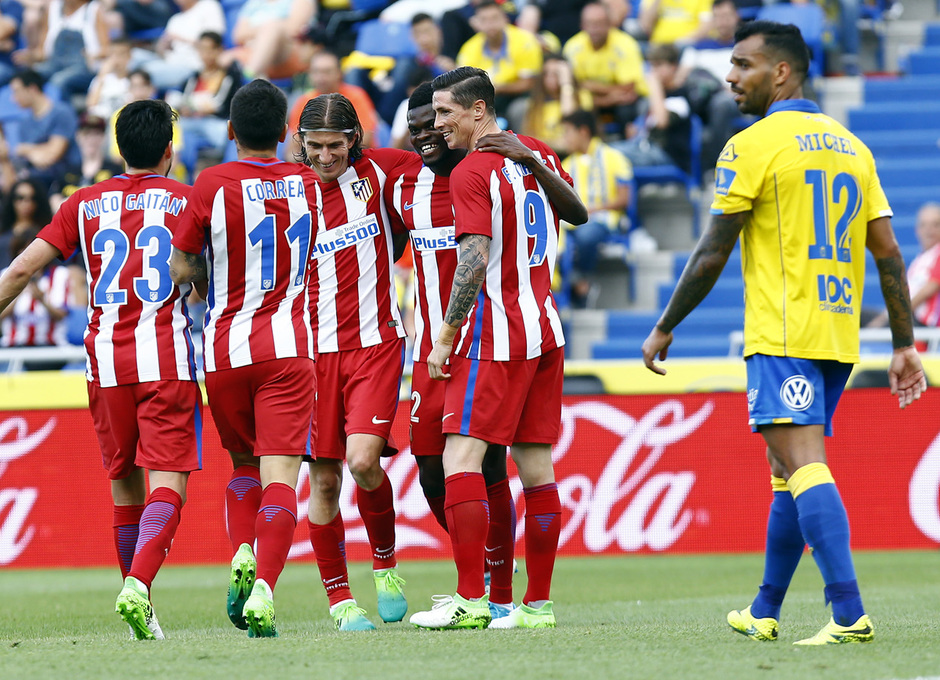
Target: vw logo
{"x": 797, "y": 393}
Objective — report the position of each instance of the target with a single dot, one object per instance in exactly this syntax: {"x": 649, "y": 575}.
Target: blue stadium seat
{"x": 728, "y": 292}
{"x": 385, "y": 38}
{"x": 902, "y": 90}
{"x": 932, "y": 35}
{"x": 897, "y": 144}
{"x": 896, "y": 116}
{"x": 910, "y": 173}
{"x": 811, "y": 20}
{"x": 924, "y": 62}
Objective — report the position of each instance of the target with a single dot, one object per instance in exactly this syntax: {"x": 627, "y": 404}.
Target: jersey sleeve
{"x": 739, "y": 176}
{"x": 190, "y": 235}
{"x": 473, "y": 205}
{"x": 62, "y": 232}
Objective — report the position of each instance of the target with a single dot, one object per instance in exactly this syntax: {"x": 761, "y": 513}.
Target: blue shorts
{"x": 787, "y": 390}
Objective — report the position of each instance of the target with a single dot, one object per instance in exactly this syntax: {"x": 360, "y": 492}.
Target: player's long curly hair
{"x": 330, "y": 111}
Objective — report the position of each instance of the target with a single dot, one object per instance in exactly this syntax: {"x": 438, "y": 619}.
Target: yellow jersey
{"x": 618, "y": 62}
{"x": 678, "y": 19}
{"x": 597, "y": 174}
{"x": 520, "y": 56}
{"x": 811, "y": 188}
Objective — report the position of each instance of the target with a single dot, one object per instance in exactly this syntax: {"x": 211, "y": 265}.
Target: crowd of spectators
{"x": 591, "y": 78}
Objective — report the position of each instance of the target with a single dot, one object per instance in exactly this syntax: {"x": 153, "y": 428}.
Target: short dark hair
{"x": 717, "y": 3}
{"x": 143, "y": 130}
{"x": 664, "y": 53}
{"x": 489, "y": 3}
{"x": 422, "y": 96}
{"x": 467, "y": 85}
{"x": 784, "y": 41}
{"x": 142, "y": 73}
{"x": 331, "y": 111}
{"x": 421, "y": 16}
{"x": 258, "y": 114}
{"x": 29, "y": 78}
{"x": 215, "y": 37}
{"x": 582, "y": 119}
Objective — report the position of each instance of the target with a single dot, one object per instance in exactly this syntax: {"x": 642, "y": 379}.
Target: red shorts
{"x": 152, "y": 425}
{"x": 427, "y": 408}
{"x": 357, "y": 393}
{"x": 265, "y": 408}
{"x": 506, "y": 402}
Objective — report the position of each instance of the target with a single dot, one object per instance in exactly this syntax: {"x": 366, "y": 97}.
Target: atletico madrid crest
{"x": 362, "y": 189}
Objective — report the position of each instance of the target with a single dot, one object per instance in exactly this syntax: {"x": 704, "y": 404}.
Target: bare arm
{"x": 884, "y": 248}
{"x": 649, "y": 15}
{"x": 37, "y": 255}
{"x": 705, "y": 265}
{"x": 905, "y": 373}
{"x": 187, "y": 267}
{"x": 559, "y": 192}
{"x": 44, "y": 154}
{"x": 468, "y": 280}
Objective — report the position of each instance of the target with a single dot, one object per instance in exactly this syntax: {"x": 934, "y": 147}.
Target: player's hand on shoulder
{"x": 656, "y": 345}
{"x": 506, "y": 144}
{"x": 906, "y": 376}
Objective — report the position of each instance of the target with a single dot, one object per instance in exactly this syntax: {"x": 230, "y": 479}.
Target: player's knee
{"x": 365, "y": 470}
{"x": 494, "y": 464}
{"x": 431, "y": 475}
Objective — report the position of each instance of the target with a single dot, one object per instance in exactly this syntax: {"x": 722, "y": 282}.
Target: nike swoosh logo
{"x": 446, "y": 417}
{"x": 376, "y": 421}
{"x": 408, "y": 206}
{"x": 334, "y": 580}
{"x": 492, "y": 549}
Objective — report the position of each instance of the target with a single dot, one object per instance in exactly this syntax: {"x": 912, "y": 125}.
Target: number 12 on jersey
{"x": 845, "y": 192}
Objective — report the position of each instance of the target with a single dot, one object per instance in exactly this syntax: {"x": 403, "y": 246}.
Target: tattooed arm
{"x": 468, "y": 280}
{"x": 187, "y": 267}
{"x": 699, "y": 276}
{"x": 905, "y": 372}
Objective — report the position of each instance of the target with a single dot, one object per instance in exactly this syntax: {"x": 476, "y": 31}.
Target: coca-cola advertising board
{"x": 636, "y": 474}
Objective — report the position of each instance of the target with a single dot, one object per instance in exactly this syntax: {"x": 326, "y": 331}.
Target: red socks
{"x": 437, "y": 509}
{"x": 378, "y": 516}
{"x": 499, "y": 541}
{"x": 274, "y": 526}
{"x": 158, "y": 524}
{"x": 542, "y": 527}
{"x": 468, "y": 521}
{"x": 242, "y": 500}
{"x": 329, "y": 545}
{"x": 126, "y": 521}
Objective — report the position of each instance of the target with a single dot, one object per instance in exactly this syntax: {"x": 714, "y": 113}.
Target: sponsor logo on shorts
{"x": 797, "y": 393}
{"x": 377, "y": 421}
{"x": 446, "y": 416}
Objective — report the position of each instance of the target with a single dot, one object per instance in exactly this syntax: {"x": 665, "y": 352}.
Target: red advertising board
{"x": 637, "y": 474}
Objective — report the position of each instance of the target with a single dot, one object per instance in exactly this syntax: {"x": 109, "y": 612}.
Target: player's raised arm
{"x": 905, "y": 373}
{"x": 702, "y": 270}
{"x": 562, "y": 195}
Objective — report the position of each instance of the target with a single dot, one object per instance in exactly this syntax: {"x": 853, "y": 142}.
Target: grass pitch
{"x": 657, "y": 617}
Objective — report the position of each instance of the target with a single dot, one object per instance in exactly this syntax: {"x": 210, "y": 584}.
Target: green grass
{"x": 638, "y": 617}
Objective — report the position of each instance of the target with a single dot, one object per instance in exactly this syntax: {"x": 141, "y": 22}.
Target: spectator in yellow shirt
{"x": 511, "y": 56}
{"x": 675, "y": 21}
{"x": 602, "y": 178}
{"x": 607, "y": 63}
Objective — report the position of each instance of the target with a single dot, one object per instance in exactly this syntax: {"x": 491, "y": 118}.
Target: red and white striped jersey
{"x": 254, "y": 218}
{"x": 515, "y": 316}
{"x": 353, "y": 303}
{"x": 30, "y": 324}
{"x": 422, "y": 201}
{"x": 138, "y": 328}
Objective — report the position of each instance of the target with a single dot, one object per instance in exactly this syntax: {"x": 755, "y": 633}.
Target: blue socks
{"x": 785, "y": 547}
